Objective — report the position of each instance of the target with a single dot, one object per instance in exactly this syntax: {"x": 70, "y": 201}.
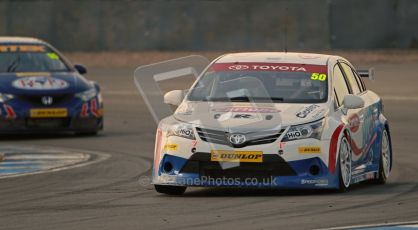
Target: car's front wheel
{"x": 385, "y": 159}
{"x": 170, "y": 190}
{"x": 344, "y": 162}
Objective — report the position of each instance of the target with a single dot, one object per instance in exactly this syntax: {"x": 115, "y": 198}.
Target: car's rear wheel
{"x": 344, "y": 161}
{"x": 385, "y": 159}
{"x": 170, "y": 190}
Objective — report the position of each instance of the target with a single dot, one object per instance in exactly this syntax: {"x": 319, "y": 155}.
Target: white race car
{"x": 273, "y": 120}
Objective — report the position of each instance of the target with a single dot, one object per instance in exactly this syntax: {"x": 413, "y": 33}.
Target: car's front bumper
{"x": 44, "y": 125}
{"x": 274, "y": 172}
{"x": 16, "y": 117}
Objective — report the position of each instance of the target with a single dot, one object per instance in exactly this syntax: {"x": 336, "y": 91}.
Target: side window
{"x": 340, "y": 85}
{"x": 355, "y": 86}
{"x": 360, "y": 81}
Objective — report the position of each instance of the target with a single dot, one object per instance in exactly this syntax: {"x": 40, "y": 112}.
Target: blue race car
{"x": 40, "y": 91}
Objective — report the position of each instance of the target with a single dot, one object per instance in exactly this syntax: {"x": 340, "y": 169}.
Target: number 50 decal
{"x": 318, "y": 76}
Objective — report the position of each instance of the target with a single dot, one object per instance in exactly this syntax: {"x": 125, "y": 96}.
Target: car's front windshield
{"x": 30, "y": 58}
{"x": 262, "y": 82}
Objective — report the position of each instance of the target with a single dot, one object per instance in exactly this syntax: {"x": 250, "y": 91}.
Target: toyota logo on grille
{"x": 238, "y": 67}
{"x": 47, "y": 100}
{"x": 237, "y": 139}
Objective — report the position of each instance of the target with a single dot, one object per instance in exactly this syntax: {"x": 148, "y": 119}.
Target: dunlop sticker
{"x": 236, "y": 156}
{"x": 170, "y": 147}
{"x": 309, "y": 149}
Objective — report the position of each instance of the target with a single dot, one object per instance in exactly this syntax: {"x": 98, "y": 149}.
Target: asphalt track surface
{"x": 107, "y": 194}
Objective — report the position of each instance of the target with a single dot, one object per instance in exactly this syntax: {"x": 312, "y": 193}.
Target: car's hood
{"x": 248, "y": 116}
{"x": 41, "y": 83}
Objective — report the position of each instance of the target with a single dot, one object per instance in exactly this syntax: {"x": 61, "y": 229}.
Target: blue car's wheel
{"x": 344, "y": 162}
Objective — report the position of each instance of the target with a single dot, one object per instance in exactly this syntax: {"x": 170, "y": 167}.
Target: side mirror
{"x": 353, "y": 102}
{"x": 80, "y": 68}
{"x": 174, "y": 97}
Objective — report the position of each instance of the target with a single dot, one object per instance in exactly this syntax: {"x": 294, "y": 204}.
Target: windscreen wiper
{"x": 12, "y": 67}
{"x": 233, "y": 99}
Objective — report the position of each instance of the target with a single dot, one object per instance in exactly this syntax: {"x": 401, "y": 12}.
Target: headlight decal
{"x": 10, "y": 112}
{"x": 94, "y": 111}
{"x": 181, "y": 130}
{"x": 309, "y": 130}
{"x": 84, "y": 110}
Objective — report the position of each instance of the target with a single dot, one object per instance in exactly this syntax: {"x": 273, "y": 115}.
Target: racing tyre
{"x": 385, "y": 159}
{"x": 344, "y": 163}
{"x": 170, "y": 190}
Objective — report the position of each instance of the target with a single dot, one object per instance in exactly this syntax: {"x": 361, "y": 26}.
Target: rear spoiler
{"x": 367, "y": 73}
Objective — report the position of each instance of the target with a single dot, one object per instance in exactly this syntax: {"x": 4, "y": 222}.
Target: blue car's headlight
{"x": 310, "y": 130}
{"x": 181, "y": 130}
{"x": 5, "y": 97}
{"x": 87, "y": 95}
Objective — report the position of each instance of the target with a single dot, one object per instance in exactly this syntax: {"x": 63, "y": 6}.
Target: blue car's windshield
{"x": 262, "y": 82}
{"x": 30, "y": 58}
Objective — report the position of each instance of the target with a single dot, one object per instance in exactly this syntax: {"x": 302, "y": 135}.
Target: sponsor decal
{"x": 21, "y": 48}
{"x": 294, "y": 135}
{"x": 236, "y": 156}
{"x": 170, "y": 147}
{"x": 246, "y": 110}
{"x": 53, "y": 56}
{"x": 44, "y": 113}
{"x": 354, "y": 123}
{"x": 278, "y": 67}
{"x": 316, "y": 182}
{"x": 32, "y": 74}
{"x": 185, "y": 131}
{"x": 309, "y": 149}
{"x": 318, "y": 76}
{"x": 307, "y": 110}
{"x": 318, "y": 114}
{"x": 368, "y": 130}
{"x": 40, "y": 83}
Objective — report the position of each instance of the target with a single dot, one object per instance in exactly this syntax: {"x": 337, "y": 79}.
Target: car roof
{"x": 21, "y": 40}
{"x": 276, "y": 57}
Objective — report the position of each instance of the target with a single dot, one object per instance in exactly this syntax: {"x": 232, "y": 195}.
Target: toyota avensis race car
{"x": 40, "y": 91}
{"x": 273, "y": 120}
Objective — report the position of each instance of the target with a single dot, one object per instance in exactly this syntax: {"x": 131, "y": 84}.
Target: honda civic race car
{"x": 273, "y": 120}
{"x": 40, "y": 91}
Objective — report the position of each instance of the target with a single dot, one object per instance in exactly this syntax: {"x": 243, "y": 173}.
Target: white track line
{"x": 99, "y": 156}
{"x": 403, "y": 224}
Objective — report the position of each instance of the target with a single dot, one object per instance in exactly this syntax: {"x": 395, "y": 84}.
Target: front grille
{"x": 255, "y": 138}
{"x": 36, "y": 100}
{"x": 272, "y": 165}
{"x": 47, "y": 123}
